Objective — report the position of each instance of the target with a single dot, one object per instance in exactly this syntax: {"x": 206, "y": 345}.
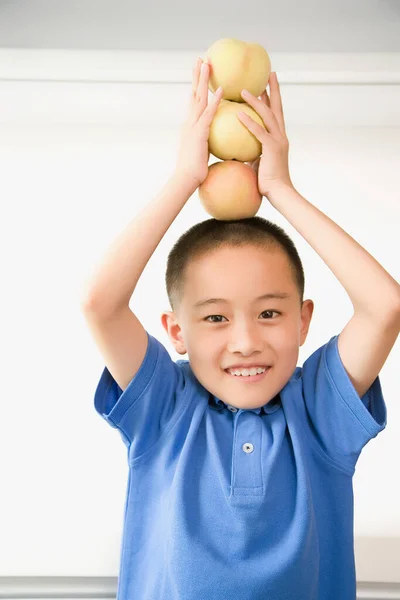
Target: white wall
{"x": 310, "y": 26}
{"x": 71, "y": 179}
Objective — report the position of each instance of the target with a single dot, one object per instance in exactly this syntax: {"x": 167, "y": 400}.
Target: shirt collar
{"x": 269, "y": 408}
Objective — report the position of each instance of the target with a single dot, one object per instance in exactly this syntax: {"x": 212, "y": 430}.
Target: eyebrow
{"x": 206, "y": 301}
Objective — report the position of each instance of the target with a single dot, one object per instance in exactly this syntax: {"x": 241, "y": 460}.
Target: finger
{"x": 276, "y": 102}
{"x": 212, "y": 108}
{"x": 202, "y": 88}
{"x": 264, "y": 111}
{"x": 265, "y": 98}
{"x": 254, "y": 164}
{"x": 256, "y": 129}
{"x": 195, "y": 76}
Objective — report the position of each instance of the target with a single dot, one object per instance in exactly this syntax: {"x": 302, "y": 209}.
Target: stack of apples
{"x": 230, "y": 191}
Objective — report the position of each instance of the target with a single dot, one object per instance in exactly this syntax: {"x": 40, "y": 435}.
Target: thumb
{"x": 255, "y": 164}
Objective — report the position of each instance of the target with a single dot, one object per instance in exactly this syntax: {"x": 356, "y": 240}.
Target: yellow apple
{"x": 237, "y": 65}
{"x": 229, "y": 138}
{"x": 230, "y": 191}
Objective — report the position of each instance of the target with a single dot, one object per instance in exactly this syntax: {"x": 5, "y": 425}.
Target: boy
{"x": 240, "y": 463}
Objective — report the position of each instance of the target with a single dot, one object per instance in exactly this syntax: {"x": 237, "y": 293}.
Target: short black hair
{"x": 207, "y": 236}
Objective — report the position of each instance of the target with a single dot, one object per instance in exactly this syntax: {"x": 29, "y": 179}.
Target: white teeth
{"x": 247, "y": 372}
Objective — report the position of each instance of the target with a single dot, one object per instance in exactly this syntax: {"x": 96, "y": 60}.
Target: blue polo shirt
{"x": 239, "y": 504}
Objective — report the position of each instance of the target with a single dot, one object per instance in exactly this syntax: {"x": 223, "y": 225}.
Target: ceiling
{"x": 280, "y": 26}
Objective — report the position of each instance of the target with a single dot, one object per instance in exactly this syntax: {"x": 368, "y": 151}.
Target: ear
{"x": 306, "y": 314}
{"x": 174, "y": 331}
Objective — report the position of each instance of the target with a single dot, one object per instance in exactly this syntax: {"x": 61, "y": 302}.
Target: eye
{"x": 211, "y": 316}
{"x": 263, "y": 313}
{"x": 270, "y": 312}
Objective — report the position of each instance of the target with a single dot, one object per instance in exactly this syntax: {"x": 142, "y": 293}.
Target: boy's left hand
{"x": 272, "y": 167}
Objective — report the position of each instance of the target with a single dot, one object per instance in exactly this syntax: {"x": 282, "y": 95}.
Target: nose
{"x": 245, "y": 339}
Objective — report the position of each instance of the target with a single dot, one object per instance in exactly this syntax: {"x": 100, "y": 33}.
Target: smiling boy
{"x": 240, "y": 482}
{"x": 238, "y": 336}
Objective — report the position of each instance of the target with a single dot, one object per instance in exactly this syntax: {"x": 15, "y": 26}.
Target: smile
{"x": 249, "y": 378}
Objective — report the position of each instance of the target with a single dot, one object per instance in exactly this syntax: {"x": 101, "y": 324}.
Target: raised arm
{"x": 115, "y": 279}
{"x": 117, "y": 332}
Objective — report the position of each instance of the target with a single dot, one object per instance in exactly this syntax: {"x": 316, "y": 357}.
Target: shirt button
{"x": 232, "y": 408}
{"x": 247, "y": 447}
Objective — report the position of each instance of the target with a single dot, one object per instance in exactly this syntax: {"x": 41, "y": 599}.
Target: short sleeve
{"x": 341, "y": 420}
{"x": 148, "y": 408}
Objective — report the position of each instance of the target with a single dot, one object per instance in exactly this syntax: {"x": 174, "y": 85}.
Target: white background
{"x": 78, "y": 161}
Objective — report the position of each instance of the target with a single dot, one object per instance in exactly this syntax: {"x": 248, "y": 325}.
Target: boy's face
{"x": 246, "y": 332}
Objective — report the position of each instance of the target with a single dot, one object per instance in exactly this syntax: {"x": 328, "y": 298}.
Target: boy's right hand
{"x": 193, "y": 155}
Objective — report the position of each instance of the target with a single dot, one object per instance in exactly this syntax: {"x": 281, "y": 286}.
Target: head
{"x": 237, "y": 262}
